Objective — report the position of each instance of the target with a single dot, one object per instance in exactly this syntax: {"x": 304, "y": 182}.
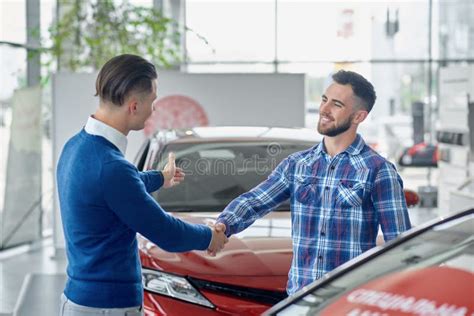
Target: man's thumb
{"x": 171, "y": 158}
{"x": 220, "y": 227}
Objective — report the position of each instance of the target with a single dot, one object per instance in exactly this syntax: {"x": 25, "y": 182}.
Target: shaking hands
{"x": 219, "y": 239}
{"x": 172, "y": 175}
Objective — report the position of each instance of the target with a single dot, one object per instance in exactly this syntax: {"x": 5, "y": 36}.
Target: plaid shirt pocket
{"x": 308, "y": 190}
{"x": 350, "y": 193}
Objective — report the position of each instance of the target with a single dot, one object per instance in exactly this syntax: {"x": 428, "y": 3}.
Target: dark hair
{"x": 123, "y": 74}
{"x": 362, "y": 87}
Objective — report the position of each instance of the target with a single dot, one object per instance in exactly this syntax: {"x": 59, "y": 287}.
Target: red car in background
{"x": 419, "y": 155}
{"x": 250, "y": 274}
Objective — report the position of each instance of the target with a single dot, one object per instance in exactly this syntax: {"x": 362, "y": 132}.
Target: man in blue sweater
{"x": 105, "y": 200}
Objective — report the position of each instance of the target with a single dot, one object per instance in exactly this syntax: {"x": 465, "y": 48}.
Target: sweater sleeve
{"x": 152, "y": 179}
{"x": 126, "y": 195}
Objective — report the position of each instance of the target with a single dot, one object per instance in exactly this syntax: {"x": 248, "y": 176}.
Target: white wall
{"x": 228, "y": 99}
{"x": 242, "y": 99}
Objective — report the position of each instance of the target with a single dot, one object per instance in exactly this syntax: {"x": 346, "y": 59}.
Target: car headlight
{"x": 172, "y": 286}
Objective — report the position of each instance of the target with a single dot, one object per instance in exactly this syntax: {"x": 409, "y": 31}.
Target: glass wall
{"x": 388, "y": 41}
{"x": 25, "y": 210}
{"x": 12, "y": 76}
{"x": 230, "y": 31}
{"x": 456, "y": 29}
{"x": 398, "y": 45}
{"x": 13, "y": 21}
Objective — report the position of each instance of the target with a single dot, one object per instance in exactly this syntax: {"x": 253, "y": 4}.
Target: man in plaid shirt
{"x": 340, "y": 190}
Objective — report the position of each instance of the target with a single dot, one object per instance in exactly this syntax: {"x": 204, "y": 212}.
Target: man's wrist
{"x": 162, "y": 177}
{"x": 210, "y": 241}
{"x": 165, "y": 175}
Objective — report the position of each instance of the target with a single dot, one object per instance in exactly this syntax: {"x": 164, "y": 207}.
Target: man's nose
{"x": 323, "y": 106}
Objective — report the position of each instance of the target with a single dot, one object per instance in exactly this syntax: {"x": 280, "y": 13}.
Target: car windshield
{"x": 443, "y": 254}
{"x": 218, "y": 172}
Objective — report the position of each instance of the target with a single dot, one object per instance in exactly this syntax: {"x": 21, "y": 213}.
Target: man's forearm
{"x": 389, "y": 201}
{"x": 152, "y": 179}
{"x": 233, "y": 215}
{"x": 256, "y": 203}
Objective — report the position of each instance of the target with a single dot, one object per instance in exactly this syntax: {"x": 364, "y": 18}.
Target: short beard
{"x": 332, "y": 132}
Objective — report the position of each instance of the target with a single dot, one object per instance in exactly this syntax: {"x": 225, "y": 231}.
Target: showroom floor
{"x": 30, "y": 278}
{"x": 21, "y": 273}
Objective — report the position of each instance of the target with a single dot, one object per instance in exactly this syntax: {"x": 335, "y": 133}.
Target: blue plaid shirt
{"x": 337, "y": 205}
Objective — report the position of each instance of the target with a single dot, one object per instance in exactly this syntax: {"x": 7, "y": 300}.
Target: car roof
{"x": 238, "y": 133}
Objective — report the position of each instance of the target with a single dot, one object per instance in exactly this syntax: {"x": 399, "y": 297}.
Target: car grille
{"x": 257, "y": 295}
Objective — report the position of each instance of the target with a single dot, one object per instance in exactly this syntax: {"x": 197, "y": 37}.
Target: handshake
{"x": 219, "y": 239}
{"x": 173, "y": 176}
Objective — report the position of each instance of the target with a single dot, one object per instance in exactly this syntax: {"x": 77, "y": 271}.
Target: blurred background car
{"x": 250, "y": 274}
{"x": 419, "y": 155}
{"x": 426, "y": 271}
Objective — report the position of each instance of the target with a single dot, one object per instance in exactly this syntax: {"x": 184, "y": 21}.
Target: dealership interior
{"x": 244, "y": 105}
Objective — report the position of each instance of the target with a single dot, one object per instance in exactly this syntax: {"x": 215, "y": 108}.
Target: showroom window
{"x": 25, "y": 209}
{"x": 387, "y": 41}
{"x": 245, "y": 31}
{"x": 399, "y": 45}
{"x": 13, "y": 21}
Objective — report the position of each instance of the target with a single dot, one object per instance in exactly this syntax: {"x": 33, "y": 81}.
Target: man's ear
{"x": 359, "y": 116}
{"x": 132, "y": 105}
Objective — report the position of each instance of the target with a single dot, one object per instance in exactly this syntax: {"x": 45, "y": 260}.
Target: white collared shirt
{"x": 96, "y": 127}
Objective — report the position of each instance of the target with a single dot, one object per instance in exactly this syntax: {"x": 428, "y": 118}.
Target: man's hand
{"x": 219, "y": 239}
{"x": 220, "y": 227}
{"x": 171, "y": 174}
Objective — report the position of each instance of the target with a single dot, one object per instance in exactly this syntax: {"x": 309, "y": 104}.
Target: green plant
{"x": 91, "y": 32}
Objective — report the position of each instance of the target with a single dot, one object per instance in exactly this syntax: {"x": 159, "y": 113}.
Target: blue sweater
{"x": 104, "y": 201}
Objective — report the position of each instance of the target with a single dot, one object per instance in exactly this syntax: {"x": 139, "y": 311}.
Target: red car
{"x": 429, "y": 270}
{"x": 250, "y": 274}
{"x": 419, "y": 155}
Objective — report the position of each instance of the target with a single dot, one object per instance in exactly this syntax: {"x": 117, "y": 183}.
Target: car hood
{"x": 259, "y": 255}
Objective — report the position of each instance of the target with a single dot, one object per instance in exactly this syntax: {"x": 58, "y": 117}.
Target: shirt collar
{"x": 98, "y": 128}
{"x": 354, "y": 149}
{"x": 320, "y": 148}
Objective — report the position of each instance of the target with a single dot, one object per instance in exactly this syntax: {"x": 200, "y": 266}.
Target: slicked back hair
{"x": 362, "y": 88}
{"x": 122, "y": 75}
